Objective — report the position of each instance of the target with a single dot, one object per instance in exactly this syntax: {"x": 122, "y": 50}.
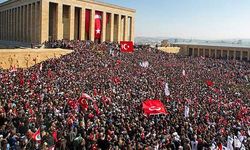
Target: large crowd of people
{"x": 47, "y": 98}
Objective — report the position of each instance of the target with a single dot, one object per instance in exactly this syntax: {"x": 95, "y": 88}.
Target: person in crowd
{"x": 92, "y": 98}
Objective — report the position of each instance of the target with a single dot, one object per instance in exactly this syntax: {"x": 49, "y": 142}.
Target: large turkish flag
{"x": 153, "y": 107}
{"x": 98, "y": 24}
{"x": 127, "y": 46}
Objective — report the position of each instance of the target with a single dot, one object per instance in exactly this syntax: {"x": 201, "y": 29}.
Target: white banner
{"x": 167, "y": 92}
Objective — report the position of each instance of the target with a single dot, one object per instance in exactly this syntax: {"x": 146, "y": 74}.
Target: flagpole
{"x": 27, "y": 143}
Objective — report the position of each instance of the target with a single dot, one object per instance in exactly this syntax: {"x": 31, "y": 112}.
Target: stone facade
{"x": 227, "y": 52}
{"x": 36, "y": 21}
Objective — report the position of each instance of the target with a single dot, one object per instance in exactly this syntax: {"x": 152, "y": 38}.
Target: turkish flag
{"x": 209, "y": 83}
{"x": 82, "y": 101}
{"x": 72, "y": 104}
{"x": 37, "y": 136}
{"x": 153, "y": 107}
{"x": 98, "y": 24}
{"x": 127, "y": 46}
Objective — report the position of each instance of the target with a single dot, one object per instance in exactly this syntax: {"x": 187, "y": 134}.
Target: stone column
{"x": 112, "y": 27}
{"x": 19, "y": 23}
{"x": 7, "y": 24}
{"x": 209, "y": 52}
{"x": 34, "y": 10}
{"x": 204, "y": 52}
{"x": 215, "y": 53}
{"x": 227, "y": 54}
{"x": 24, "y": 21}
{"x": 27, "y": 24}
{"x": 72, "y": 23}
{"x": 82, "y": 23}
{"x": 193, "y": 52}
{"x": 16, "y": 24}
{"x": 104, "y": 25}
{"x": 241, "y": 54}
{"x": 126, "y": 38}
{"x": 248, "y": 57}
{"x": 31, "y": 22}
{"x": 92, "y": 25}
{"x": 119, "y": 28}
{"x": 59, "y": 21}
{"x": 10, "y": 24}
{"x": 1, "y": 28}
{"x": 234, "y": 54}
{"x": 37, "y": 27}
{"x": 44, "y": 21}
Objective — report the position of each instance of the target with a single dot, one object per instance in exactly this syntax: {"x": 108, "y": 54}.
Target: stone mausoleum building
{"x": 36, "y": 21}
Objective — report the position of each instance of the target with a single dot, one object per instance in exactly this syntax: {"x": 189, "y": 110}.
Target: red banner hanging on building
{"x": 87, "y": 22}
{"x": 98, "y": 24}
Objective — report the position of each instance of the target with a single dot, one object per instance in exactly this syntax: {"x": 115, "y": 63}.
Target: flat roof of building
{"x": 90, "y": 1}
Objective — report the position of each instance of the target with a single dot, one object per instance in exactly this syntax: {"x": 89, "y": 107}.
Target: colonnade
{"x": 20, "y": 23}
{"x": 36, "y": 21}
{"x": 68, "y": 22}
{"x": 220, "y": 52}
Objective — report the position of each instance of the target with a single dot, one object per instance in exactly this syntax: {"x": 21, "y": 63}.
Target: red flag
{"x": 116, "y": 80}
{"x": 209, "y": 83}
{"x": 54, "y": 134}
{"x": 98, "y": 24}
{"x": 21, "y": 81}
{"x": 82, "y": 101}
{"x": 96, "y": 108}
{"x": 87, "y": 22}
{"x": 153, "y": 107}
{"x": 49, "y": 73}
{"x": 86, "y": 96}
{"x": 127, "y": 46}
{"x": 37, "y": 135}
{"x": 72, "y": 104}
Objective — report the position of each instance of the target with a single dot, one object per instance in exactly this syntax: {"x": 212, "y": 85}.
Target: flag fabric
{"x": 87, "y": 22}
{"x": 41, "y": 67}
{"x": 86, "y": 96}
{"x": 209, "y": 83}
{"x": 153, "y": 107}
{"x": 83, "y": 103}
{"x": 127, "y": 46}
{"x": 98, "y": 24}
{"x": 96, "y": 108}
{"x": 186, "y": 112}
{"x": 116, "y": 80}
{"x": 72, "y": 104}
{"x": 167, "y": 92}
{"x": 183, "y": 72}
{"x": 37, "y": 135}
{"x": 144, "y": 64}
{"x": 54, "y": 134}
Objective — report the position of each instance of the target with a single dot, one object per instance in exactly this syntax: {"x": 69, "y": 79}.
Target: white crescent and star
{"x": 98, "y": 31}
{"x": 125, "y": 46}
{"x": 154, "y": 108}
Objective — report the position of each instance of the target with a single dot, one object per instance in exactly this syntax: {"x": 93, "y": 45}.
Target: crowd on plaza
{"x": 92, "y": 98}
